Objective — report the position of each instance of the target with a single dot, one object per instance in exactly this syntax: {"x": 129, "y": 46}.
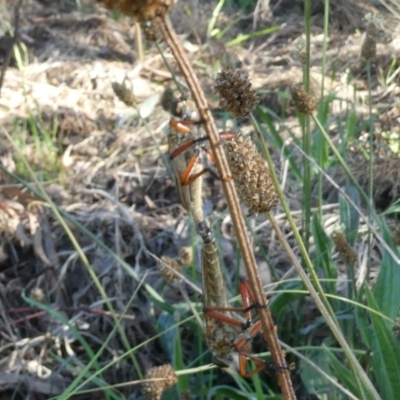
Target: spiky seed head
{"x": 304, "y": 102}
{"x": 151, "y": 31}
{"x": 346, "y": 252}
{"x": 153, "y": 390}
{"x": 185, "y": 255}
{"x": 124, "y": 93}
{"x": 234, "y": 89}
{"x": 168, "y": 268}
{"x": 250, "y": 174}
{"x": 167, "y": 98}
{"x": 141, "y": 10}
{"x": 368, "y": 47}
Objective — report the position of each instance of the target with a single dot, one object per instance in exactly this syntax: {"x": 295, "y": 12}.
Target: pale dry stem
{"x": 269, "y": 331}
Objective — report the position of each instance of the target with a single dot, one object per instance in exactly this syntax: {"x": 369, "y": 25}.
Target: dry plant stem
{"x": 269, "y": 331}
{"x": 139, "y": 42}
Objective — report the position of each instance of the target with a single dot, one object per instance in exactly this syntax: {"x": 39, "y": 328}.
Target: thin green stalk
{"x": 323, "y": 66}
{"x": 371, "y": 162}
{"x": 307, "y": 134}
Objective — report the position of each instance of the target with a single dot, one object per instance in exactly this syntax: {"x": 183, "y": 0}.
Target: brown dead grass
{"x": 111, "y": 178}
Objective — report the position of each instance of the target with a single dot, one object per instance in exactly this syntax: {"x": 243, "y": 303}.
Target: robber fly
{"x": 229, "y": 330}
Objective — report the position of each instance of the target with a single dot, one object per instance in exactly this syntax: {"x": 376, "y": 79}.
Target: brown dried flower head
{"x": 368, "y": 47}
{"x": 346, "y": 252}
{"x": 153, "y": 390}
{"x": 167, "y": 98}
{"x": 234, "y": 89}
{"x": 304, "y": 102}
{"x": 168, "y": 268}
{"x": 250, "y": 174}
{"x": 124, "y": 93}
{"x": 151, "y": 31}
{"x": 141, "y": 10}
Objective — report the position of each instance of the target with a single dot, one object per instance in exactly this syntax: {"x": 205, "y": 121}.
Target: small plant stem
{"x": 371, "y": 163}
{"x": 269, "y": 331}
{"x": 307, "y": 134}
{"x": 324, "y": 51}
{"x": 139, "y": 42}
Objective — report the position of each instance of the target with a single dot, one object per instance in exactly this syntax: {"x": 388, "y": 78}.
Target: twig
{"x": 269, "y": 331}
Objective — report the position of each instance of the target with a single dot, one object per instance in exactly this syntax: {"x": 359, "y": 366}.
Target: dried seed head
{"x": 185, "y": 256}
{"x": 368, "y": 47}
{"x": 151, "y": 31}
{"x": 167, "y": 98}
{"x": 142, "y": 10}
{"x": 252, "y": 177}
{"x": 168, "y": 268}
{"x": 304, "y": 102}
{"x": 124, "y": 93}
{"x": 37, "y": 294}
{"x": 234, "y": 88}
{"x": 153, "y": 390}
{"x": 346, "y": 252}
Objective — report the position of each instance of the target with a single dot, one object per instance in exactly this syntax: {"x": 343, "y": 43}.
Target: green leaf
{"x": 386, "y": 292}
{"x": 386, "y": 353}
{"x": 349, "y": 216}
{"x": 341, "y": 373}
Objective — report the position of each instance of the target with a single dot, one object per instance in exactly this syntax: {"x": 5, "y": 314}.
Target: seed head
{"x": 141, "y": 10}
{"x": 151, "y": 31}
{"x": 167, "y": 98}
{"x": 185, "y": 256}
{"x": 168, "y": 268}
{"x": 346, "y": 252}
{"x": 368, "y": 47}
{"x": 153, "y": 390}
{"x": 124, "y": 93}
{"x": 304, "y": 102}
{"x": 250, "y": 174}
{"x": 234, "y": 88}
{"x": 37, "y": 294}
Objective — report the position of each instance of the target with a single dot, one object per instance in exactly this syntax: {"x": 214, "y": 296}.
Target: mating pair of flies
{"x": 229, "y": 330}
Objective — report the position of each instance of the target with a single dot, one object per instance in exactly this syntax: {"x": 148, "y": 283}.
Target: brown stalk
{"x": 269, "y": 331}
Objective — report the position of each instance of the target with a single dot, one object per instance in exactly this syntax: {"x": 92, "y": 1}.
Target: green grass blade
{"x": 386, "y": 292}
{"x": 386, "y": 353}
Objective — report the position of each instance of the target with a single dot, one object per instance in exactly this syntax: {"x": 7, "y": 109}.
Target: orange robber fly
{"x": 183, "y": 121}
